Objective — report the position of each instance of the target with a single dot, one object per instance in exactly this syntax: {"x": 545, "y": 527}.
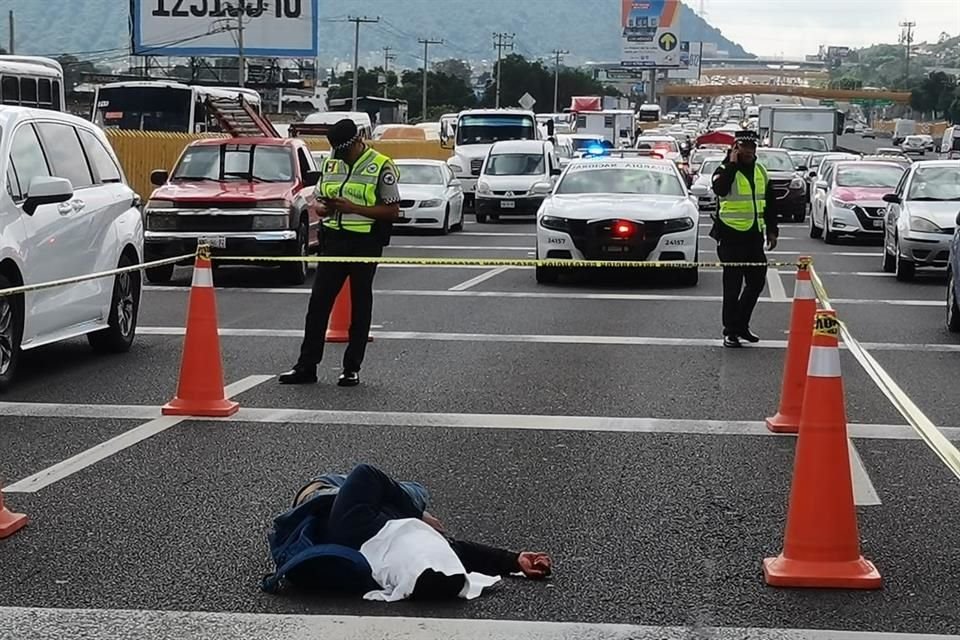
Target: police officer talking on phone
{"x": 742, "y": 224}
{"x": 358, "y": 199}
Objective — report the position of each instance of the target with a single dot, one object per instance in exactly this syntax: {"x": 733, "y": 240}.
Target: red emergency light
{"x": 623, "y": 229}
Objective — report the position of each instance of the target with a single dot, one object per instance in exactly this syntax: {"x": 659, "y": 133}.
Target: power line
{"x": 558, "y": 57}
{"x": 426, "y": 42}
{"x": 357, "y": 21}
{"x": 502, "y": 41}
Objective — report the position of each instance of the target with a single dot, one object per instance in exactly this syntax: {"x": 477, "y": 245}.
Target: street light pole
{"x": 502, "y": 41}
{"x": 357, "y": 21}
{"x": 558, "y": 53}
{"x": 241, "y": 58}
{"x": 426, "y": 42}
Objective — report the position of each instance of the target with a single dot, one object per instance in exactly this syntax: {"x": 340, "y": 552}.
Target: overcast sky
{"x": 797, "y": 27}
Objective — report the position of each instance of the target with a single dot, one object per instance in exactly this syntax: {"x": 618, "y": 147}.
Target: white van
{"x": 317, "y": 124}
{"x": 515, "y": 178}
{"x": 950, "y": 144}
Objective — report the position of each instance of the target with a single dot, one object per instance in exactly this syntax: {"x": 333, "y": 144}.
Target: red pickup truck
{"x": 241, "y": 196}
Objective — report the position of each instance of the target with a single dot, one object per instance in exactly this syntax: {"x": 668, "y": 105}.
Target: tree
{"x": 524, "y": 76}
{"x": 934, "y": 93}
{"x": 455, "y": 68}
{"x": 446, "y": 92}
{"x": 369, "y": 83}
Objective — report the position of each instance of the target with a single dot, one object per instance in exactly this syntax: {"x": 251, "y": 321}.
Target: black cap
{"x": 343, "y": 134}
{"x": 747, "y": 136}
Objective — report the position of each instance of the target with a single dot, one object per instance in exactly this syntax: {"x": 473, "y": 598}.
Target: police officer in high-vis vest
{"x": 742, "y": 224}
{"x": 358, "y": 198}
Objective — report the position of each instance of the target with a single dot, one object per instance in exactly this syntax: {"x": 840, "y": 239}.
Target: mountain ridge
{"x": 589, "y": 30}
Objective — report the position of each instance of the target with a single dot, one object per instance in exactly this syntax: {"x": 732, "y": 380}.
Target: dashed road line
{"x": 864, "y": 493}
{"x": 483, "y": 277}
{"x": 775, "y": 285}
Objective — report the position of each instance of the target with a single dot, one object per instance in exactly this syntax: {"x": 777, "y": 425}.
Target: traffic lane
{"x": 880, "y": 286}
{"x": 548, "y": 379}
{"x": 897, "y": 324}
{"x": 929, "y": 379}
{"x": 32, "y": 444}
{"x": 858, "y": 144}
{"x": 679, "y": 511}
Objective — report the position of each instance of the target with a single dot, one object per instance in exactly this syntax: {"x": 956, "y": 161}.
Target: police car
{"x": 619, "y": 208}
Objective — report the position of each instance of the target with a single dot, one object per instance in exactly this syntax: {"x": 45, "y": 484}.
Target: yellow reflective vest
{"x": 743, "y": 205}
{"x": 358, "y": 184}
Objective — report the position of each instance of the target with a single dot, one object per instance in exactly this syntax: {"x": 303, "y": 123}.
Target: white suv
{"x": 66, "y": 210}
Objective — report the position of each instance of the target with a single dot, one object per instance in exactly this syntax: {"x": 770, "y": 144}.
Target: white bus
{"x": 29, "y": 81}
{"x": 150, "y": 105}
{"x": 649, "y": 113}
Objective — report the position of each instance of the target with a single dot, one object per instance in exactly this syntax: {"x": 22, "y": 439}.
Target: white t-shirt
{"x": 403, "y": 549}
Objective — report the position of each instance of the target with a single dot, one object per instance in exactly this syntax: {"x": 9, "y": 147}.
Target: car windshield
{"x": 865, "y": 175}
{"x": 935, "y": 183}
{"x": 709, "y": 166}
{"x": 253, "y": 163}
{"x": 600, "y": 178}
{"x": 515, "y": 164}
{"x": 480, "y": 129}
{"x": 669, "y": 146}
{"x": 775, "y": 161}
{"x": 420, "y": 174}
{"x": 804, "y": 144}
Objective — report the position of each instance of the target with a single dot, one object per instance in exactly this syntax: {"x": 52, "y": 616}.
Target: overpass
{"x": 771, "y": 72}
{"x": 840, "y": 95}
{"x": 760, "y": 62}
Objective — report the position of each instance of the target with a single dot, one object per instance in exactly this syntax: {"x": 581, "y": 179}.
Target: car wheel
{"x": 459, "y": 225}
{"x": 481, "y": 218}
{"x": 830, "y": 237}
{"x": 953, "y": 311}
{"x": 547, "y": 275}
{"x": 889, "y": 262}
{"x": 11, "y": 332}
{"x": 800, "y": 214}
{"x": 905, "y": 269}
{"x": 160, "y": 275}
{"x": 124, "y": 309}
{"x": 296, "y": 272}
{"x": 815, "y": 231}
{"x": 446, "y": 222}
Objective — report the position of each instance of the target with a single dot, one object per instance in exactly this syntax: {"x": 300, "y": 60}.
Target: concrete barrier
{"x": 140, "y": 152}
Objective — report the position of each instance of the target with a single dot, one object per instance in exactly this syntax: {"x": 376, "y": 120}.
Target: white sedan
{"x": 619, "y": 209}
{"x": 431, "y": 196}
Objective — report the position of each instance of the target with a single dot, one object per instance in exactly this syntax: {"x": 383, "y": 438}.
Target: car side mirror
{"x": 456, "y": 183}
{"x": 958, "y": 220}
{"x": 812, "y": 174}
{"x": 556, "y": 171}
{"x": 822, "y": 184}
{"x": 892, "y": 198}
{"x": 457, "y": 169}
{"x": 159, "y": 177}
{"x": 541, "y": 188}
{"x": 801, "y": 168}
{"x": 46, "y": 190}
{"x": 311, "y": 178}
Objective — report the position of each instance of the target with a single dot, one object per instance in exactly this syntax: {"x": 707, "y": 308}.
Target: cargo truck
{"x": 799, "y": 128}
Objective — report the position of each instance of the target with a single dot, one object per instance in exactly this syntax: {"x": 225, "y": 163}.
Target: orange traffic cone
{"x": 787, "y": 419}
{"x": 10, "y": 522}
{"x": 200, "y": 391}
{"x": 822, "y": 543}
{"x": 339, "y": 328}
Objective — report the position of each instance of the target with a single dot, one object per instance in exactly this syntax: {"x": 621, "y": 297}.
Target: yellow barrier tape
{"x": 928, "y": 432}
{"x": 12, "y": 291}
{"x": 501, "y": 262}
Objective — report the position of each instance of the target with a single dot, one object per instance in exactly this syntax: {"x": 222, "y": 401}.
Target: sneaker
{"x": 298, "y": 375}
{"x": 731, "y": 342}
{"x": 749, "y": 336}
{"x": 348, "y": 379}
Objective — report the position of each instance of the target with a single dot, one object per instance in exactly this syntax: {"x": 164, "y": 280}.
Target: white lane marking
{"x": 558, "y": 295}
{"x": 547, "y": 339}
{"x": 864, "y": 493}
{"x": 93, "y": 455}
{"x": 775, "y": 284}
{"x": 600, "y": 424}
{"x": 55, "y": 624}
{"x": 846, "y": 254}
{"x": 483, "y": 277}
{"x": 442, "y": 247}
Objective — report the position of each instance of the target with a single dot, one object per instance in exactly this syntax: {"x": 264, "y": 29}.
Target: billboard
{"x": 271, "y": 28}
{"x": 649, "y": 32}
{"x": 690, "y": 56}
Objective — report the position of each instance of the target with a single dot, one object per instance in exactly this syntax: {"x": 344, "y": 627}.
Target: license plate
{"x": 215, "y": 242}
{"x": 508, "y": 204}
{"x": 616, "y": 249}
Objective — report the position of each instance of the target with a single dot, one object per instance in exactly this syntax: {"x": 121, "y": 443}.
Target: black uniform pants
{"x": 327, "y": 284}
{"x": 742, "y": 286}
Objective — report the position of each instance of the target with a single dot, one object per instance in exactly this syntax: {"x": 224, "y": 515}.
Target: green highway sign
{"x": 827, "y": 103}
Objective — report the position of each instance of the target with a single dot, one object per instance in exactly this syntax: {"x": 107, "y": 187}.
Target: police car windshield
{"x": 628, "y": 180}
{"x": 420, "y": 174}
{"x": 226, "y": 162}
{"x": 515, "y": 164}
{"x": 775, "y": 160}
{"x": 865, "y": 175}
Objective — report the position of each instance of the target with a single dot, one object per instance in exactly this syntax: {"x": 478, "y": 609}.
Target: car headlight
{"x": 483, "y": 187}
{"x": 923, "y": 225}
{"x": 161, "y": 221}
{"x": 675, "y": 225}
{"x": 159, "y": 204}
{"x": 797, "y": 183}
{"x": 553, "y": 222}
{"x": 269, "y": 223}
{"x": 431, "y": 204}
{"x": 843, "y": 204}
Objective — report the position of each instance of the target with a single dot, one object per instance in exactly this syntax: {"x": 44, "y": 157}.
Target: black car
{"x": 787, "y": 183}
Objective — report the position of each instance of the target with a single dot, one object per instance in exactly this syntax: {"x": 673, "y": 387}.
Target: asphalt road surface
{"x": 598, "y": 420}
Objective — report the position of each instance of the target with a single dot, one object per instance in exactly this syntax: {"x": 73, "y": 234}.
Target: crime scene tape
{"x": 928, "y": 432}
{"x": 501, "y": 262}
{"x": 39, "y": 286}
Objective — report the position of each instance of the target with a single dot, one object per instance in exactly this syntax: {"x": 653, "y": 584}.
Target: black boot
{"x": 299, "y": 375}
{"x": 749, "y": 336}
{"x": 348, "y": 379}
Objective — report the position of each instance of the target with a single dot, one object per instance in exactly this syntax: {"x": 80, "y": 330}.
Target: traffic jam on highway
{"x": 633, "y": 368}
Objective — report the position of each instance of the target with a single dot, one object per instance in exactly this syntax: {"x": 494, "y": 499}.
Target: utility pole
{"x": 906, "y": 39}
{"x": 558, "y": 56}
{"x": 502, "y": 41}
{"x": 10, "y": 49}
{"x": 357, "y": 21}
{"x": 387, "y": 59}
{"x": 241, "y": 57}
{"x": 426, "y": 42}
